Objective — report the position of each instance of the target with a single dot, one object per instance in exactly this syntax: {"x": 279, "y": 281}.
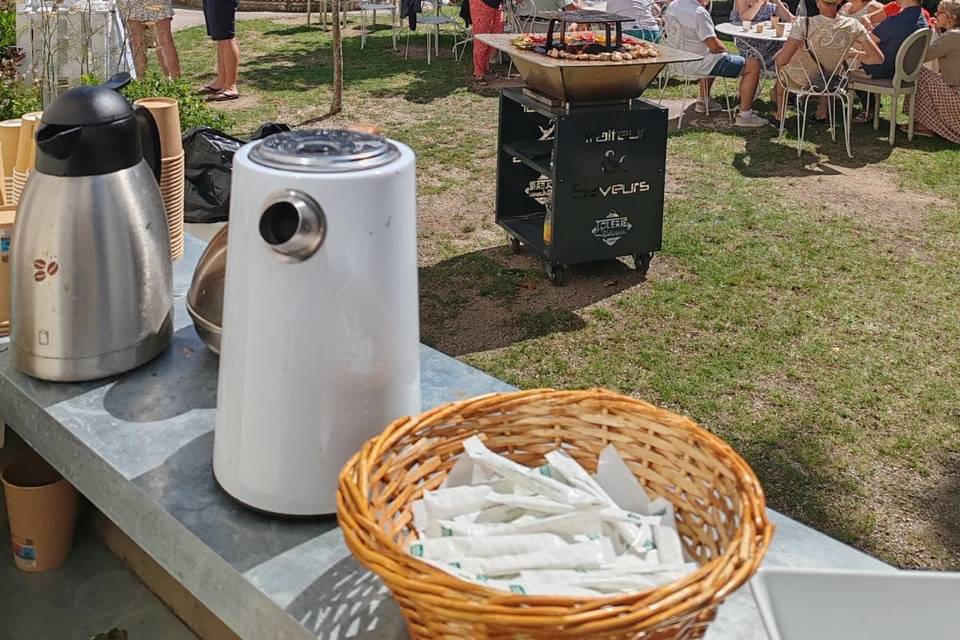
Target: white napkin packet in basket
{"x": 550, "y": 530}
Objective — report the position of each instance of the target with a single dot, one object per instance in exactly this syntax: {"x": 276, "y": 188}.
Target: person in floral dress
{"x": 138, "y": 14}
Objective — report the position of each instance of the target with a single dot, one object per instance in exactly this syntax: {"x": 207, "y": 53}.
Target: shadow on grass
{"x": 768, "y": 158}
{"x": 491, "y": 298}
{"x": 946, "y": 504}
{"x": 304, "y": 62}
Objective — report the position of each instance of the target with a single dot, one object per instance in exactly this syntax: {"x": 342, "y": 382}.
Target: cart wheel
{"x": 557, "y": 274}
{"x": 641, "y": 262}
{"x": 515, "y": 245}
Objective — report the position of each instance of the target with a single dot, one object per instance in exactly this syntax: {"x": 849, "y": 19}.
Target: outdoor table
{"x": 139, "y": 447}
{"x": 735, "y": 30}
{"x": 769, "y": 34}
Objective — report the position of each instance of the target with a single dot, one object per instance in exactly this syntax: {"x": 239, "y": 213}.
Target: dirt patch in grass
{"x": 918, "y": 515}
{"x": 493, "y": 298}
{"x": 873, "y": 195}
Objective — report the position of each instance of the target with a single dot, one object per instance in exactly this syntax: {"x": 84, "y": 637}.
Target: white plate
{"x": 825, "y": 604}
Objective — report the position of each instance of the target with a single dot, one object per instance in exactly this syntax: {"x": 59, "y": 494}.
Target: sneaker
{"x": 715, "y": 106}
{"x": 750, "y": 119}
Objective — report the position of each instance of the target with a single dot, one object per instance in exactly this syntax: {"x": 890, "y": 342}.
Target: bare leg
{"x": 228, "y": 54}
{"x": 822, "y": 105}
{"x": 138, "y": 46}
{"x": 778, "y": 98}
{"x": 705, "y": 86}
{"x": 167, "y": 49}
{"x": 748, "y": 83}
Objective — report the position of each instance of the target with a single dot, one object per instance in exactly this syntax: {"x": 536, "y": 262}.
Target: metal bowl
{"x": 205, "y": 297}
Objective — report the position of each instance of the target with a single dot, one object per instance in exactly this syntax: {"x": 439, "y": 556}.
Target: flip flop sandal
{"x": 222, "y": 96}
{"x": 207, "y": 90}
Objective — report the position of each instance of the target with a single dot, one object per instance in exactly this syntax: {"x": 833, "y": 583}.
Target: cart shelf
{"x": 536, "y": 154}
{"x": 527, "y": 229}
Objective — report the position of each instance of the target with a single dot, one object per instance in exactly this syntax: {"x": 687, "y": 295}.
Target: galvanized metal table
{"x": 139, "y": 446}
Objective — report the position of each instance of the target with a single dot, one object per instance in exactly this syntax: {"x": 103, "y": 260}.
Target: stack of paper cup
{"x": 7, "y": 215}
{"x": 26, "y": 152}
{"x": 9, "y": 141}
{"x": 166, "y": 112}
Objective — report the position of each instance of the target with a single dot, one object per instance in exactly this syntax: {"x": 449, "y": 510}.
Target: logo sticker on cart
{"x": 614, "y": 135}
{"x": 613, "y": 162}
{"x": 620, "y": 189}
{"x": 540, "y": 190}
{"x": 610, "y": 229}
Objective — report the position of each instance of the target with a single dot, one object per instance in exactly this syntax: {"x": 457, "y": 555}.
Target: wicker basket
{"x": 718, "y": 501}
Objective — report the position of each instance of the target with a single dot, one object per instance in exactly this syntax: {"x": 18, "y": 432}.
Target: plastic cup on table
{"x": 781, "y": 29}
{"x": 759, "y": 27}
{"x": 745, "y": 25}
{"x": 774, "y": 21}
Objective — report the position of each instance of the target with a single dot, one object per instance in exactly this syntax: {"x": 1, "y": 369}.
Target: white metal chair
{"x": 805, "y": 82}
{"x": 673, "y": 36}
{"x": 432, "y": 24}
{"x": 904, "y": 82}
{"x": 373, "y": 7}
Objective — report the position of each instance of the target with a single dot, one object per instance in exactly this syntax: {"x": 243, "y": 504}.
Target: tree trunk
{"x": 336, "y": 103}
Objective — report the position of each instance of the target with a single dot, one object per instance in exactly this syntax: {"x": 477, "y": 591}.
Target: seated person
{"x": 759, "y": 11}
{"x": 692, "y": 23}
{"x": 938, "y": 94}
{"x": 869, "y": 12}
{"x": 644, "y": 14}
{"x": 890, "y": 34}
{"x": 833, "y": 40}
{"x": 884, "y": 11}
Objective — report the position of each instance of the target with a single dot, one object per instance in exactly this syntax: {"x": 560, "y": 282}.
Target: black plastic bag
{"x": 209, "y": 164}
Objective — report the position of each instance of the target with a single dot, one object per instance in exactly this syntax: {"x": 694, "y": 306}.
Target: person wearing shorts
{"x": 220, "y": 18}
{"x": 689, "y": 22}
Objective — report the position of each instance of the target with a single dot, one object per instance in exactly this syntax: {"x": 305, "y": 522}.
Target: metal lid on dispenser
{"x": 324, "y": 151}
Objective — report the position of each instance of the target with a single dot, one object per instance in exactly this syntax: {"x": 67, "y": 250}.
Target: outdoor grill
{"x": 581, "y": 158}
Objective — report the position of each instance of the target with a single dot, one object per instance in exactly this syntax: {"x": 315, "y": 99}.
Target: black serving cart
{"x": 580, "y": 183}
{"x": 581, "y": 157}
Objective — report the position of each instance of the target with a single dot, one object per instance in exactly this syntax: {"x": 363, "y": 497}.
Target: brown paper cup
{"x": 9, "y": 141}
{"x": 27, "y": 142}
{"x": 759, "y": 27}
{"x": 42, "y": 507}
{"x": 19, "y": 182}
{"x": 166, "y": 111}
{"x": 781, "y": 29}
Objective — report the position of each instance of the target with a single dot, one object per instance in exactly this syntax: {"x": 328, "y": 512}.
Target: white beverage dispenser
{"x": 320, "y": 347}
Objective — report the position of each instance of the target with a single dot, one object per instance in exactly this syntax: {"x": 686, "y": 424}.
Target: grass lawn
{"x": 804, "y": 309}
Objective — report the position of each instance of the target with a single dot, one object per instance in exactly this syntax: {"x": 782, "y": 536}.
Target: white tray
{"x": 824, "y": 604}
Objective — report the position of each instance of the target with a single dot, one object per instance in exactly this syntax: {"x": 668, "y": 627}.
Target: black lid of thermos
{"x": 93, "y": 130}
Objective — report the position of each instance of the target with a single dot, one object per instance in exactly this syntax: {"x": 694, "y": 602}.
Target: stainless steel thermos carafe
{"x": 91, "y": 277}
{"x": 320, "y": 345}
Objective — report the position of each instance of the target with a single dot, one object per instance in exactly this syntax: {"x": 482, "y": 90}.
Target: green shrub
{"x": 194, "y": 112}
{"x": 8, "y": 23}
{"x": 17, "y": 98}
